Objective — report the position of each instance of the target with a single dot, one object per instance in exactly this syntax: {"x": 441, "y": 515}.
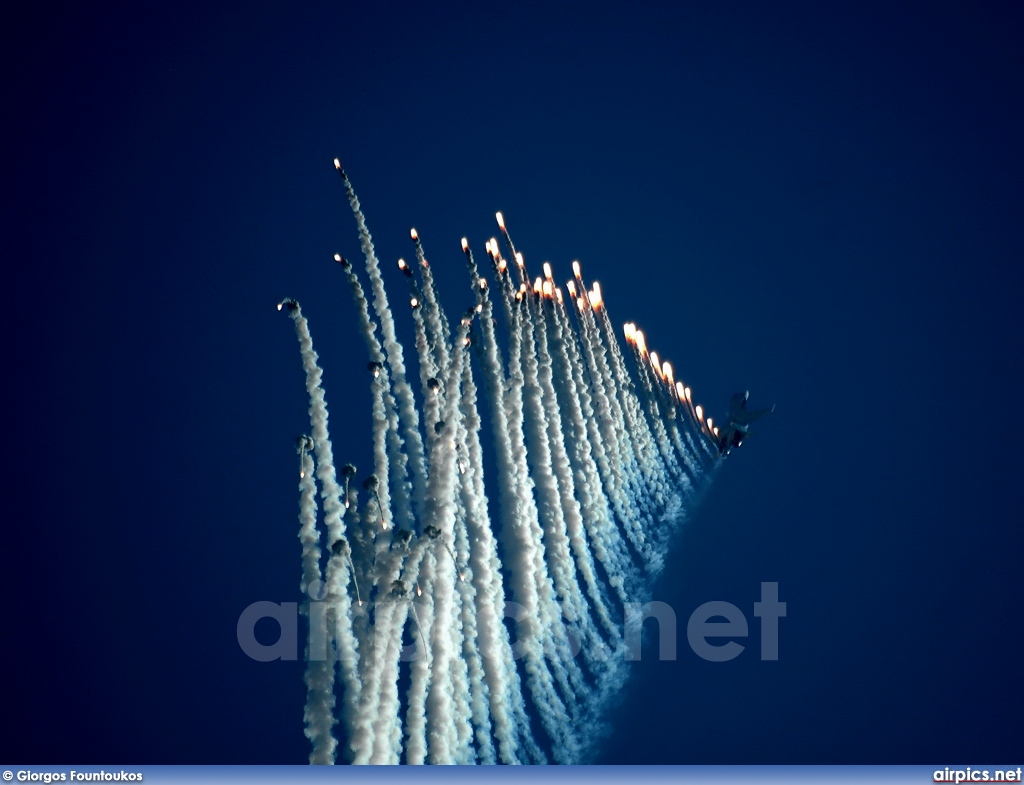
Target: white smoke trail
{"x": 666, "y": 482}
{"x": 567, "y": 549}
{"x": 390, "y": 461}
{"x": 416, "y": 713}
{"x": 309, "y": 536}
{"x": 379, "y": 710}
{"x": 319, "y": 712}
{"x": 531, "y": 587}
{"x": 474, "y": 606}
{"x": 434, "y": 317}
{"x": 395, "y": 357}
{"x": 540, "y": 625}
{"x": 639, "y": 472}
{"x": 594, "y": 473}
{"x": 591, "y": 463}
{"x": 439, "y": 511}
{"x": 579, "y": 475}
{"x": 499, "y": 668}
{"x": 624, "y": 483}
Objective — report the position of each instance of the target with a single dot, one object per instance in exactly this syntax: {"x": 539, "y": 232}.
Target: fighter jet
{"x": 737, "y": 428}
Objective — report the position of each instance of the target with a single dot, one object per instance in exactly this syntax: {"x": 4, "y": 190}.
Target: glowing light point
{"x": 280, "y": 306}
{"x": 465, "y": 244}
{"x": 519, "y": 259}
{"x": 688, "y": 396}
{"x": 571, "y": 286}
{"x": 500, "y": 219}
{"x": 337, "y": 164}
{"x": 699, "y": 412}
{"x": 547, "y": 270}
{"x": 546, "y": 288}
{"x": 576, "y": 270}
{"x": 413, "y": 235}
{"x": 414, "y": 302}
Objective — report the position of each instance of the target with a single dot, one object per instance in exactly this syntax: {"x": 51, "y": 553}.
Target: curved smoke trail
{"x": 476, "y": 640}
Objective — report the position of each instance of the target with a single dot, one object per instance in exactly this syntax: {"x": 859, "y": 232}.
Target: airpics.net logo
{"x": 711, "y": 629}
{"x": 976, "y": 775}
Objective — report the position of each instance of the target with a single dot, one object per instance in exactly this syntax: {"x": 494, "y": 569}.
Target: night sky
{"x": 820, "y": 203}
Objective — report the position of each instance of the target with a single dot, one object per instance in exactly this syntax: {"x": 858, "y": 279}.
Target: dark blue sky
{"x": 820, "y": 203}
